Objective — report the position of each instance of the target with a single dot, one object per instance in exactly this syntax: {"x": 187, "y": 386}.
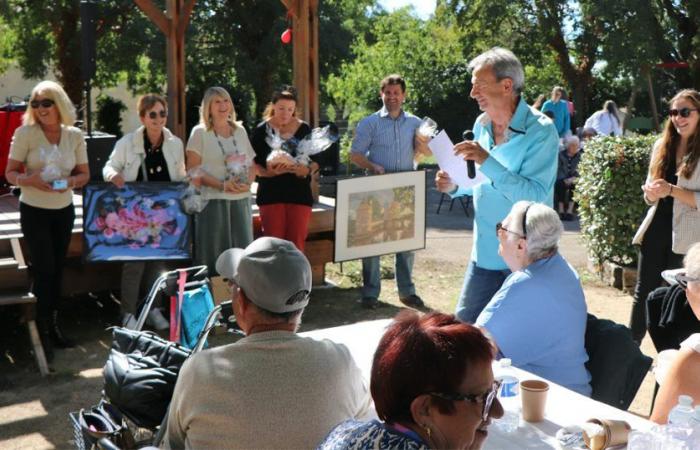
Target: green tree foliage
{"x": 48, "y": 38}
{"x": 630, "y": 36}
{"x": 108, "y": 115}
{"x": 430, "y": 57}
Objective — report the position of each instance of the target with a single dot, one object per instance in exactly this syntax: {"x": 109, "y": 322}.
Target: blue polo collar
{"x": 518, "y": 123}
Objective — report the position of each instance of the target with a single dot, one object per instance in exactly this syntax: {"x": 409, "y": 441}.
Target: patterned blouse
{"x": 358, "y": 435}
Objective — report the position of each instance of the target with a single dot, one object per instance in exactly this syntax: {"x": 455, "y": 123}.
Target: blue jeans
{"x": 479, "y": 286}
{"x": 371, "y": 282}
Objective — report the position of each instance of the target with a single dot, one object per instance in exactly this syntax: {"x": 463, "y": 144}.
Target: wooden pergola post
{"x": 173, "y": 24}
{"x": 305, "y": 55}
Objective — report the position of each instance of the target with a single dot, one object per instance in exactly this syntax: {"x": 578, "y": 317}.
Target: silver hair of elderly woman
{"x": 571, "y": 140}
{"x": 544, "y": 228}
{"x": 691, "y": 262}
{"x": 504, "y": 65}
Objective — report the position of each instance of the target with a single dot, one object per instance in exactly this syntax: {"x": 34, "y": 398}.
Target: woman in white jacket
{"x": 151, "y": 153}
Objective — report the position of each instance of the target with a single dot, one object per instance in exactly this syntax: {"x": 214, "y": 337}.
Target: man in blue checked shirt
{"x": 386, "y": 142}
{"x": 517, "y": 147}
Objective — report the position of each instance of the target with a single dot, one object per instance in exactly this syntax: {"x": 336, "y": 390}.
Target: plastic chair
{"x": 465, "y": 200}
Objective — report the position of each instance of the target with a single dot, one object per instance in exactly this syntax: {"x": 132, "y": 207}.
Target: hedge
{"x": 609, "y": 196}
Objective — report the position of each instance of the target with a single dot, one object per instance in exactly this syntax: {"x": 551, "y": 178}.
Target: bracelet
{"x": 453, "y": 191}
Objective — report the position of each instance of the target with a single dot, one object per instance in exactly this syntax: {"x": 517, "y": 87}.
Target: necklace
{"x": 221, "y": 145}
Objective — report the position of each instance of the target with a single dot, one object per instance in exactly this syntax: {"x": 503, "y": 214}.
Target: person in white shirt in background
{"x": 607, "y": 121}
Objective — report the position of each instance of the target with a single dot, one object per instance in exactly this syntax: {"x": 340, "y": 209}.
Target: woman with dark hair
{"x": 54, "y": 156}
{"x": 672, "y": 189}
{"x": 606, "y": 122}
{"x": 432, "y": 386}
{"x": 284, "y": 188}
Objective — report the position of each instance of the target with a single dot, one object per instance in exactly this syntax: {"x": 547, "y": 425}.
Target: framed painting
{"x": 142, "y": 221}
{"x": 380, "y": 214}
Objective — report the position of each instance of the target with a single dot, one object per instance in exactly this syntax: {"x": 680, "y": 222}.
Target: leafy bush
{"x": 109, "y": 115}
{"x": 609, "y": 196}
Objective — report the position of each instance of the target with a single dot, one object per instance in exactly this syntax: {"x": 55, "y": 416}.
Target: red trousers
{"x": 288, "y": 221}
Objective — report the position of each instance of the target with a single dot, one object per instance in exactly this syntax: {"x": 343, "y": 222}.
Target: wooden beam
{"x": 156, "y": 15}
{"x": 185, "y": 17}
{"x": 175, "y": 60}
{"x": 305, "y": 51}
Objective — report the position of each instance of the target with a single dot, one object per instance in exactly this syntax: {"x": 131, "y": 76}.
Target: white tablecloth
{"x": 564, "y": 407}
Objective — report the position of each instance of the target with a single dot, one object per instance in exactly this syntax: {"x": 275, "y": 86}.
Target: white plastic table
{"x": 564, "y": 407}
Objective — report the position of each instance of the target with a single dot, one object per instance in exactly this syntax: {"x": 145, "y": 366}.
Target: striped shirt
{"x": 386, "y": 141}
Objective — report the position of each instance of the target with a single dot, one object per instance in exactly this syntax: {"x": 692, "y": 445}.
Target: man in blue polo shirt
{"x": 517, "y": 147}
{"x": 384, "y": 143}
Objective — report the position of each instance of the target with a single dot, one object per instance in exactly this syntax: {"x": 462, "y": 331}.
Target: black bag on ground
{"x": 140, "y": 374}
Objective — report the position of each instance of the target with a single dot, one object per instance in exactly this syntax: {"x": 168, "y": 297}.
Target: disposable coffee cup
{"x": 615, "y": 432}
{"x": 534, "y": 398}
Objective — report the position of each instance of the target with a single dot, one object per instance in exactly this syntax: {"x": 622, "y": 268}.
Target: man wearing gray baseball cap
{"x": 273, "y": 388}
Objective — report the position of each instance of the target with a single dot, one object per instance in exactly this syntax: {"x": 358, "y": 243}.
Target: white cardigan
{"x": 686, "y": 220}
{"x": 128, "y": 153}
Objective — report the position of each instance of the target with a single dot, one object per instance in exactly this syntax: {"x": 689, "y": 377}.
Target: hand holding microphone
{"x": 468, "y": 135}
{"x": 471, "y": 152}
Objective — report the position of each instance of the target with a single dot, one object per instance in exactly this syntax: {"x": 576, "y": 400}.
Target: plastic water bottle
{"x": 694, "y": 438}
{"x": 509, "y": 396}
{"x": 681, "y": 414}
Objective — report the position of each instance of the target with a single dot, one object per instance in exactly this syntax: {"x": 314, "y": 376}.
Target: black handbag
{"x": 140, "y": 374}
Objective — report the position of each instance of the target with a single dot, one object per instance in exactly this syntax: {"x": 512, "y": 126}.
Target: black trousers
{"x": 655, "y": 256}
{"x": 47, "y": 234}
{"x": 563, "y": 193}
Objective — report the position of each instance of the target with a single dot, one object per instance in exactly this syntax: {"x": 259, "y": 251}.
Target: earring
{"x": 428, "y": 431}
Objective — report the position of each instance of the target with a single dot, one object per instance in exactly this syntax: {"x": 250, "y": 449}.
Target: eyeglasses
{"x": 499, "y": 225}
{"x": 684, "y": 112}
{"x": 684, "y": 279}
{"x": 486, "y": 399}
{"x": 154, "y": 115}
{"x": 45, "y": 103}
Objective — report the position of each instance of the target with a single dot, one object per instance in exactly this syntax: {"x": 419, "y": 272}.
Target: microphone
{"x": 468, "y": 135}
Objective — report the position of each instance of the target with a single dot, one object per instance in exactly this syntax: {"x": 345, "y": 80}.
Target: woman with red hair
{"x": 432, "y": 386}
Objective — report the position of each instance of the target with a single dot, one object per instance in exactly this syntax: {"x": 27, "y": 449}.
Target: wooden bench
{"x": 28, "y": 303}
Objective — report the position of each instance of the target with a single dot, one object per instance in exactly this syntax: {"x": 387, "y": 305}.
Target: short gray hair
{"x": 543, "y": 228}
{"x": 504, "y": 65}
{"x": 570, "y": 140}
{"x": 691, "y": 262}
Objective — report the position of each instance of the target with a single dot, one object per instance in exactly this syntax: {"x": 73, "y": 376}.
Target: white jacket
{"x": 128, "y": 153}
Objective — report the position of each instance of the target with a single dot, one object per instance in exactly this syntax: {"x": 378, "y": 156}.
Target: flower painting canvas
{"x": 142, "y": 221}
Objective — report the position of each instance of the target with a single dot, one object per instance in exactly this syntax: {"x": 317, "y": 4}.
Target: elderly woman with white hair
{"x": 538, "y": 317}
{"x": 683, "y": 376}
{"x": 567, "y": 174}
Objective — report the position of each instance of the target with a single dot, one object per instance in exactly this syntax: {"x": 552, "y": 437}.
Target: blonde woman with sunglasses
{"x": 46, "y": 207}
{"x": 150, "y": 153}
{"x": 672, "y": 189}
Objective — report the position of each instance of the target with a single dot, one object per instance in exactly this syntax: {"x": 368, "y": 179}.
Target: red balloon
{"x": 286, "y": 36}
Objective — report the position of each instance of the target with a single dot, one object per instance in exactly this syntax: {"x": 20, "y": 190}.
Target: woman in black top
{"x": 284, "y": 185}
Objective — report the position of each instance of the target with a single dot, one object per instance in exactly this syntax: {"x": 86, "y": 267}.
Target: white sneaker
{"x": 129, "y": 321}
{"x": 157, "y": 320}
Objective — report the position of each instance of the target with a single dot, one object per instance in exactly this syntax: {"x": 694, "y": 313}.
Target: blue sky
{"x": 423, "y": 8}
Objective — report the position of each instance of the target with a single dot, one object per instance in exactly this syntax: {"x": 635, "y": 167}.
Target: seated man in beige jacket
{"x": 273, "y": 388}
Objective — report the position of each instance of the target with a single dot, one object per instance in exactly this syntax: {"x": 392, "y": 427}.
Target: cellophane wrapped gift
{"x": 317, "y": 141}
{"x": 237, "y": 167}
{"x": 192, "y": 199}
{"x": 57, "y": 165}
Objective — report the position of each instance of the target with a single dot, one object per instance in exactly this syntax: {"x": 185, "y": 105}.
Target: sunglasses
{"x": 683, "y": 112}
{"x": 45, "y": 103}
{"x": 684, "y": 279}
{"x": 486, "y": 399}
{"x": 154, "y": 115}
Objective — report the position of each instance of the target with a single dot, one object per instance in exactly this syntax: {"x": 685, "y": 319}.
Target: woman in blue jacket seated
{"x": 432, "y": 386}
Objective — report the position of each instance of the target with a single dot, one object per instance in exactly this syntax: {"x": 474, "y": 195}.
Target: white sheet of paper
{"x": 443, "y": 149}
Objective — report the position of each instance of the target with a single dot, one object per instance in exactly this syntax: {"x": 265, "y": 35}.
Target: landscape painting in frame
{"x": 378, "y": 215}
{"x": 142, "y": 221}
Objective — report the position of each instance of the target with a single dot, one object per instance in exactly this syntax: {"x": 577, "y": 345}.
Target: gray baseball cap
{"x": 272, "y": 272}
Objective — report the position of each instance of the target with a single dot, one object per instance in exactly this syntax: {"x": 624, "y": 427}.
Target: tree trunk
{"x": 68, "y": 64}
